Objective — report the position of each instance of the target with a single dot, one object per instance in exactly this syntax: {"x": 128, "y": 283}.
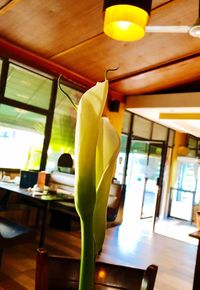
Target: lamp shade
{"x": 126, "y": 20}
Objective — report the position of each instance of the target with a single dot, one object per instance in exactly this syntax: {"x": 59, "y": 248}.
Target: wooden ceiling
{"x": 69, "y": 34}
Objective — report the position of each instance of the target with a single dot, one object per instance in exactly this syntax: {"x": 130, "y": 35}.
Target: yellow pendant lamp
{"x": 126, "y": 20}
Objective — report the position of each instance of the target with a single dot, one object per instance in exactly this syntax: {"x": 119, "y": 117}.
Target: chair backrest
{"x": 62, "y": 273}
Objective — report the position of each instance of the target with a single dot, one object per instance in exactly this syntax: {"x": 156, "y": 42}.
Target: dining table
{"x": 40, "y": 199}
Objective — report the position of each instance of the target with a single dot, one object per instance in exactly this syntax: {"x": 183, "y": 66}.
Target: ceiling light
{"x": 125, "y": 20}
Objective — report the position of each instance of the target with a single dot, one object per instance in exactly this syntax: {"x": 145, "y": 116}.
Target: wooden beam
{"x": 9, "y": 5}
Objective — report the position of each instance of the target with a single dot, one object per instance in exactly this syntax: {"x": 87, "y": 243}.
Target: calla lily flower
{"x": 96, "y": 149}
{"x": 107, "y": 150}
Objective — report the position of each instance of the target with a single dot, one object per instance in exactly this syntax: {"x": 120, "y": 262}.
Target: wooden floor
{"x": 124, "y": 244}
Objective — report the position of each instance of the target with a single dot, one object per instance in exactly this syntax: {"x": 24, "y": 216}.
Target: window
{"x": 171, "y": 138}
{"x": 21, "y": 138}
{"x": 28, "y": 87}
{"x": 126, "y": 122}
{"x": 63, "y": 130}
{"x": 23, "y": 116}
{"x": 159, "y": 132}
{"x": 142, "y": 127}
{"x": 192, "y": 145}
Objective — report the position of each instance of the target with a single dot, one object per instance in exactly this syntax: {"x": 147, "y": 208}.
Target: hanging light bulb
{"x": 126, "y": 20}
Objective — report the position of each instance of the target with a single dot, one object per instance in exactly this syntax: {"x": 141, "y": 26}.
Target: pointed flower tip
{"x": 110, "y": 70}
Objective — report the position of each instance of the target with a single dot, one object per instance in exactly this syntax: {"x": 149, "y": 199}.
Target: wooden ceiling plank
{"x": 11, "y": 4}
{"x": 77, "y": 46}
{"x": 73, "y": 39}
{"x": 162, "y": 78}
{"x": 168, "y": 63}
{"x": 37, "y": 62}
{"x": 56, "y": 25}
{"x": 93, "y": 57}
{"x": 47, "y": 66}
{"x": 155, "y": 5}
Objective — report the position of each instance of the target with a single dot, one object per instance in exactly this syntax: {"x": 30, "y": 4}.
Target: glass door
{"x": 152, "y": 176}
{"x": 185, "y": 195}
{"x": 142, "y": 178}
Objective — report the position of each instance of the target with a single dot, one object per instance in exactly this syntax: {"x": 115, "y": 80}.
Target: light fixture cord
{"x": 66, "y": 94}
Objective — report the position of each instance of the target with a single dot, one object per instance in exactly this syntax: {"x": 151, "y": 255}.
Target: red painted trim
{"x": 35, "y": 61}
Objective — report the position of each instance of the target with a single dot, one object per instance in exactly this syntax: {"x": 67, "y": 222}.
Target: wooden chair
{"x": 62, "y": 273}
{"x": 12, "y": 234}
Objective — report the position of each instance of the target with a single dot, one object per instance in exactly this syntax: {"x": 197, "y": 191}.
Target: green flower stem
{"x": 87, "y": 267}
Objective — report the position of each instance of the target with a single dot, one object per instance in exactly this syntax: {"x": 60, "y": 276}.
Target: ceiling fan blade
{"x": 168, "y": 29}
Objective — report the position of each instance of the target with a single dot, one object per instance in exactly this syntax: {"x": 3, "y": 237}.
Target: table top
{"x": 43, "y": 196}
